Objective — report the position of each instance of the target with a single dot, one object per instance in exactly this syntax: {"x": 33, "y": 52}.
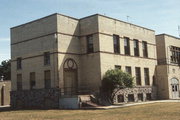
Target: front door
{"x": 175, "y": 88}
{"x": 70, "y": 82}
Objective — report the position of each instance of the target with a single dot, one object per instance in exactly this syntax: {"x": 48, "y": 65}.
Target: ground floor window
{"x": 131, "y": 98}
{"x": 120, "y": 98}
{"x": 148, "y": 96}
{"x": 140, "y": 97}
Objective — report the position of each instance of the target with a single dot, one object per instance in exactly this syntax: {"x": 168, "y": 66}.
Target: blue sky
{"x": 160, "y": 15}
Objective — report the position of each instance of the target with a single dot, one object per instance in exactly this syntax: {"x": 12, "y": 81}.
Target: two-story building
{"x": 58, "y": 56}
{"x": 168, "y": 69}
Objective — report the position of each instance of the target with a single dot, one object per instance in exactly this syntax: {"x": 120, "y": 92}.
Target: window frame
{"x": 145, "y": 49}
{"x": 116, "y": 43}
{"x": 138, "y": 76}
{"x": 146, "y": 76}
{"x": 32, "y": 76}
{"x": 136, "y": 47}
{"x": 47, "y": 58}
{"x": 90, "y": 43}
{"x": 19, "y": 63}
{"x": 127, "y": 50}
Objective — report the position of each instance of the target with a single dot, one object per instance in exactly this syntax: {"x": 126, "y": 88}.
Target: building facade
{"x": 168, "y": 69}
{"x": 58, "y": 55}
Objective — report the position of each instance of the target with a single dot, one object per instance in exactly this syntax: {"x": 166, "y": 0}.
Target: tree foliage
{"x": 115, "y": 79}
{"x": 5, "y": 69}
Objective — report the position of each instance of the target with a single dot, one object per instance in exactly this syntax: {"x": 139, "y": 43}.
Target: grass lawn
{"x": 156, "y": 111}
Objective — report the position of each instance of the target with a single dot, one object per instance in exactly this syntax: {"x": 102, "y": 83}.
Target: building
{"x": 59, "y": 56}
{"x": 168, "y": 69}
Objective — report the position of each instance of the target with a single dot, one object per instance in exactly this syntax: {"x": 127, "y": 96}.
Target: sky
{"x": 163, "y": 16}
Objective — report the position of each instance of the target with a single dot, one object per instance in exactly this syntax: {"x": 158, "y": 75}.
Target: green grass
{"x": 156, "y": 111}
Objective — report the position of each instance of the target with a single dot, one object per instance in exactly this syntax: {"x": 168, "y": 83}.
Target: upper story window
{"x": 117, "y": 67}
{"x": 19, "y": 63}
{"x": 47, "y": 58}
{"x": 32, "y": 80}
{"x": 175, "y": 54}
{"x": 116, "y": 43}
{"x": 126, "y": 46}
{"x": 145, "y": 49}
{"x": 136, "y": 47}
{"x": 146, "y": 76}
{"x": 128, "y": 69}
{"x": 19, "y": 82}
{"x": 138, "y": 75}
{"x": 90, "y": 47}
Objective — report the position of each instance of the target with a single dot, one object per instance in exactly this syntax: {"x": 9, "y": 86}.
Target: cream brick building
{"x": 168, "y": 69}
{"x": 58, "y": 55}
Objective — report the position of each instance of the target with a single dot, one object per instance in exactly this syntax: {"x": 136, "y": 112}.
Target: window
{"x": 126, "y": 46}
{"x": 47, "y": 79}
{"x": 47, "y": 58}
{"x": 128, "y": 70}
{"x": 32, "y": 80}
{"x": 145, "y": 50}
{"x": 90, "y": 48}
{"x": 136, "y": 48}
{"x": 116, "y": 43}
{"x": 175, "y": 55}
{"x": 118, "y": 67}
{"x": 138, "y": 75}
{"x": 19, "y": 63}
{"x": 146, "y": 76}
{"x": 19, "y": 82}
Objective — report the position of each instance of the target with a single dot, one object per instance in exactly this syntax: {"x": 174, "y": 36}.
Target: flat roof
{"x": 164, "y": 34}
{"x": 81, "y": 19}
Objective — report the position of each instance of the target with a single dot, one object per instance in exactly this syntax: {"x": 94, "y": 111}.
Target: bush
{"x": 115, "y": 79}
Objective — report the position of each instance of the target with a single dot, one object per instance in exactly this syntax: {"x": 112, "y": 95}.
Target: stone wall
{"x": 144, "y": 91}
{"x": 39, "y": 98}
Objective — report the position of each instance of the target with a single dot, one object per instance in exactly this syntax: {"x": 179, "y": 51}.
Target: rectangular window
{"x": 90, "y": 47}
{"x": 136, "y": 47}
{"x": 32, "y": 80}
{"x": 47, "y": 79}
{"x": 138, "y": 75}
{"x": 118, "y": 67}
{"x": 126, "y": 46}
{"x": 146, "y": 76}
{"x": 145, "y": 49}
{"x": 19, "y": 63}
{"x": 47, "y": 58}
{"x": 128, "y": 70}
{"x": 116, "y": 43}
{"x": 175, "y": 55}
{"x": 19, "y": 81}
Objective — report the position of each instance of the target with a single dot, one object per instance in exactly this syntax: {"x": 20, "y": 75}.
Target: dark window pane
{"x": 47, "y": 79}
{"x": 145, "y": 49}
{"x": 47, "y": 58}
{"x": 19, "y": 81}
{"x": 118, "y": 67}
{"x": 138, "y": 75}
{"x": 116, "y": 44}
{"x": 126, "y": 46}
{"x": 19, "y": 63}
{"x": 90, "y": 48}
{"x": 146, "y": 76}
{"x": 128, "y": 70}
{"x": 32, "y": 80}
{"x": 136, "y": 48}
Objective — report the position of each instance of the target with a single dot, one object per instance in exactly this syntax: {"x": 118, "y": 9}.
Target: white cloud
{"x": 4, "y": 39}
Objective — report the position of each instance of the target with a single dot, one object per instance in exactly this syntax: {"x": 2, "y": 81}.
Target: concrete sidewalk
{"x": 131, "y": 104}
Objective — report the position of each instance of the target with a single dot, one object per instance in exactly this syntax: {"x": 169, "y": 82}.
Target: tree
{"x": 114, "y": 80}
{"x": 5, "y": 69}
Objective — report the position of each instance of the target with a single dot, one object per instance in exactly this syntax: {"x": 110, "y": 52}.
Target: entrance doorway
{"x": 175, "y": 88}
{"x": 70, "y": 77}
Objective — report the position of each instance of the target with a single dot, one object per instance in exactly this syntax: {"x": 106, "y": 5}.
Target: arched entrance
{"x": 70, "y": 77}
{"x": 175, "y": 88}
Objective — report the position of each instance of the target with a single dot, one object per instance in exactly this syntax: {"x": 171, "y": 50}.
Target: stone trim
{"x": 135, "y": 91}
